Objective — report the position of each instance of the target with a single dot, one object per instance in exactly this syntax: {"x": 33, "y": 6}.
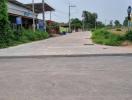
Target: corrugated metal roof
{"x": 38, "y": 6}
{"x": 19, "y": 4}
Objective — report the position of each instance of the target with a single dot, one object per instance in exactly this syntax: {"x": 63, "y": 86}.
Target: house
{"x": 22, "y": 13}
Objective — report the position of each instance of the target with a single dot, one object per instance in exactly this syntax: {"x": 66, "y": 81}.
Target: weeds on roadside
{"x": 24, "y": 36}
{"x": 102, "y": 36}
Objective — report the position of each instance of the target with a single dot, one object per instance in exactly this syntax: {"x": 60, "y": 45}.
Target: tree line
{"x": 90, "y": 21}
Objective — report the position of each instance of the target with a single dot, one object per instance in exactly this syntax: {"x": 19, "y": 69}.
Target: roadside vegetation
{"x": 4, "y": 23}
{"x": 112, "y": 34}
{"x": 10, "y": 37}
{"x": 25, "y": 36}
{"x": 113, "y": 37}
{"x": 102, "y": 36}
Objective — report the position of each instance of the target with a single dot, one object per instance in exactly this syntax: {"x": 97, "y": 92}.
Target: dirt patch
{"x": 55, "y": 35}
{"x": 127, "y": 43}
{"x": 121, "y": 32}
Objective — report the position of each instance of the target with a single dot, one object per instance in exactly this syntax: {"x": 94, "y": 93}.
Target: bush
{"x": 29, "y": 35}
{"x": 5, "y": 31}
{"x": 105, "y": 37}
{"x": 92, "y": 30}
{"x": 118, "y": 29}
{"x": 128, "y": 36}
{"x": 24, "y": 36}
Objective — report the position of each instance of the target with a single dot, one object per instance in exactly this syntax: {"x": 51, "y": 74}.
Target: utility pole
{"x": 70, "y": 6}
{"x": 83, "y": 22}
{"x": 44, "y": 21}
{"x": 33, "y": 15}
{"x": 69, "y": 18}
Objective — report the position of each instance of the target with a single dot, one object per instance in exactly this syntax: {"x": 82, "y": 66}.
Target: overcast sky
{"x": 106, "y": 9}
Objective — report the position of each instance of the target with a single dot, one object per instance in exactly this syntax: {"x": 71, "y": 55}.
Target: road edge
{"x": 72, "y": 55}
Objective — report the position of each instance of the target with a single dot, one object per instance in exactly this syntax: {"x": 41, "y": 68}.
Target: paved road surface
{"x": 66, "y": 78}
{"x": 72, "y": 44}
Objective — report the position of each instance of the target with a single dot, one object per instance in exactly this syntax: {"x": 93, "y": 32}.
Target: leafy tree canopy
{"x": 76, "y": 23}
{"x": 117, "y": 23}
{"x": 89, "y": 19}
{"x": 125, "y": 23}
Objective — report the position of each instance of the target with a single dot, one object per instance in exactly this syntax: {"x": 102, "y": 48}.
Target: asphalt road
{"x": 66, "y": 78}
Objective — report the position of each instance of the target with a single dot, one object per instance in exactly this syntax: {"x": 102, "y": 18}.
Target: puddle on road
{"x": 105, "y": 48}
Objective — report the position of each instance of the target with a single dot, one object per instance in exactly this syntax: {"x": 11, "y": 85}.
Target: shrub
{"x": 4, "y": 22}
{"x": 105, "y": 37}
{"x": 118, "y": 29}
{"x": 5, "y": 32}
{"x": 29, "y": 35}
{"x": 92, "y": 30}
{"x": 24, "y": 36}
{"x": 128, "y": 36}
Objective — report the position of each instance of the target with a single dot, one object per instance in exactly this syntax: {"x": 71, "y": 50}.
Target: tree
{"x": 100, "y": 24}
{"x": 117, "y": 23}
{"x": 76, "y": 24}
{"x": 89, "y": 19}
{"x": 111, "y": 23}
{"x": 5, "y": 33}
{"x": 125, "y": 23}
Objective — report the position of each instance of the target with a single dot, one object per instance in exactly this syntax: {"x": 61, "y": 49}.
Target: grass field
{"x": 119, "y": 31}
{"x": 112, "y": 37}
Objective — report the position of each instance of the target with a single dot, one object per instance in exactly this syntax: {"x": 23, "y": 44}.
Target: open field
{"x": 113, "y": 37}
{"x": 119, "y": 31}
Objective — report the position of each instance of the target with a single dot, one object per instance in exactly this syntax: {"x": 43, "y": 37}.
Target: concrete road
{"x": 66, "y": 78}
{"x": 72, "y": 44}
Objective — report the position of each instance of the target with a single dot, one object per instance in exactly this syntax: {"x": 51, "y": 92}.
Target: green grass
{"x": 24, "y": 36}
{"x": 102, "y": 36}
{"x": 128, "y": 36}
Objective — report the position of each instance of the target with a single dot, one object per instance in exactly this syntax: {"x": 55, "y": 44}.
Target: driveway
{"x": 71, "y": 44}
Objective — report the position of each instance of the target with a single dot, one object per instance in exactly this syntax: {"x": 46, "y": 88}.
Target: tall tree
{"x": 125, "y": 23}
{"x": 100, "y": 24}
{"x": 76, "y": 24}
{"x": 5, "y": 33}
{"x": 111, "y": 23}
{"x": 117, "y": 23}
{"x": 89, "y": 19}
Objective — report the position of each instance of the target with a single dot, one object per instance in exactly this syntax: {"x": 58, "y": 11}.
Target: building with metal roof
{"x": 24, "y": 11}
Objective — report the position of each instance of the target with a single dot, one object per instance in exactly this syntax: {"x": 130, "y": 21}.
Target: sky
{"x": 106, "y": 9}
